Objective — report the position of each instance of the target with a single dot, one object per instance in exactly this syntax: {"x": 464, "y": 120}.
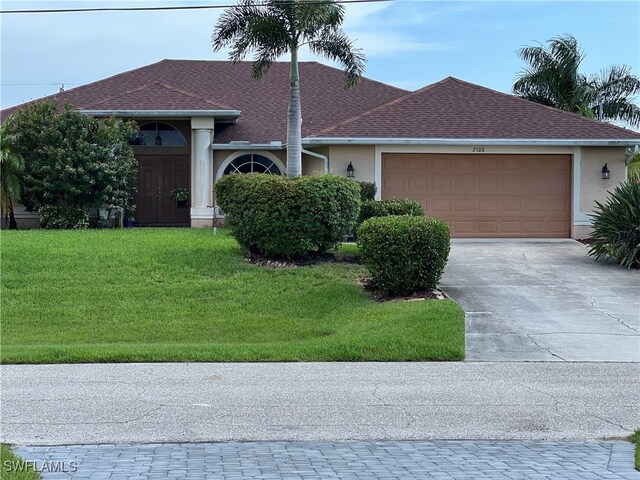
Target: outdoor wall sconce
{"x": 351, "y": 172}
{"x": 605, "y": 172}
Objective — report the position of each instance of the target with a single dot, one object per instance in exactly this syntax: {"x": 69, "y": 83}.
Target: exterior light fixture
{"x": 351, "y": 172}
{"x": 605, "y": 172}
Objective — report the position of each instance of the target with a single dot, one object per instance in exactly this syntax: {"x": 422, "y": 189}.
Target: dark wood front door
{"x": 158, "y": 175}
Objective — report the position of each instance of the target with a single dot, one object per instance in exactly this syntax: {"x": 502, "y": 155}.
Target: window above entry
{"x": 158, "y": 134}
{"x": 252, "y": 163}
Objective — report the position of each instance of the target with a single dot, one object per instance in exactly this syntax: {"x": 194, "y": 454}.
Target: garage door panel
{"x": 486, "y": 195}
{"x": 511, "y": 184}
{"x": 464, "y": 205}
{"x": 441, "y": 205}
{"x": 487, "y": 205}
{"x": 511, "y": 205}
{"x": 463, "y": 184}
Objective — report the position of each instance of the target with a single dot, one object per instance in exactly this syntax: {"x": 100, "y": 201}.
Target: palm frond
{"x": 335, "y": 45}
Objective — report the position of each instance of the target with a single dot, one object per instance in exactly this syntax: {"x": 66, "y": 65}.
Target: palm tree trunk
{"x": 294, "y": 121}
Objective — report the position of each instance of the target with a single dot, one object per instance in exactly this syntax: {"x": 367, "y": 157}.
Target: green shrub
{"x": 384, "y": 208}
{"x": 404, "y": 254}
{"x": 276, "y": 216}
{"x": 367, "y": 191}
{"x": 616, "y": 226}
{"x": 59, "y": 217}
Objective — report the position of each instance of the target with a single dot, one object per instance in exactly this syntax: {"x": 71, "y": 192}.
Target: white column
{"x": 202, "y": 173}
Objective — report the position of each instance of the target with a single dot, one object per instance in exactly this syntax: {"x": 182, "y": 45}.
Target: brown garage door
{"x": 486, "y": 195}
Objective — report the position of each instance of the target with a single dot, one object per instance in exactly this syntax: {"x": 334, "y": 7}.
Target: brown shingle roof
{"x": 450, "y": 109}
{"x": 455, "y": 109}
{"x": 212, "y": 85}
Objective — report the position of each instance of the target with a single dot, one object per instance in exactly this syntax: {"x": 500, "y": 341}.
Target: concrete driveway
{"x": 543, "y": 301}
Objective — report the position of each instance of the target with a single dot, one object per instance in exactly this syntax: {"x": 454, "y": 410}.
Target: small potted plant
{"x": 180, "y": 195}
{"x": 129, "y": 217}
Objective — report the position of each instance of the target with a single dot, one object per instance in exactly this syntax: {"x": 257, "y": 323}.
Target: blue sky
{"x": 408, "y": 43}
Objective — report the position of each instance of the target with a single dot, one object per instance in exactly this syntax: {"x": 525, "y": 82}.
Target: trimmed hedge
{"x": 404, "y": 254}
{"x": 368, "y": 191}
{"x": 384, "y": 208}
{"x": 277, "y": 217}
{"x": 59, "y": 217}
{"x": 616, "y": 226}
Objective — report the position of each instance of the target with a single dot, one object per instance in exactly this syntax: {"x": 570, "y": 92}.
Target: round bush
{"x": 59, "y": 217}
{"x": 278, "y": 217}
{"x": 384, "y": 208}
{"x": 367, "y": 191}
{"x": 616, "y": 226}
{"x": 404, "y": 254}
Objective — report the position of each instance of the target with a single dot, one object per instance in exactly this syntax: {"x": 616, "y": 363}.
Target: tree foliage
{"x": 553, "y": 78}
{"x": 11, "y": 168}
{"x": 273, "y": 28}
{"x": 73, "y": 159}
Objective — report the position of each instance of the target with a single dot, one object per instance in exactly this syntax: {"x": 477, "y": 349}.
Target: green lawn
{"x": 13, "y": 467}
{"x": 635, "y": 438}
{"x": 188, "y": 295}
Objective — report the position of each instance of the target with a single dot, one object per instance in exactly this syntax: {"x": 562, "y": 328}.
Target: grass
{"x": 188, "y": 295}
{"x": 635, "y": 438}
{"x": 13, "y": 467}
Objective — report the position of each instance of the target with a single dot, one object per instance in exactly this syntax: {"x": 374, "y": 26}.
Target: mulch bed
{"x": 436, "y": 294}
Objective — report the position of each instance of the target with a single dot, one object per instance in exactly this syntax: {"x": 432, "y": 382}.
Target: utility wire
{"x": 186, "y": 7}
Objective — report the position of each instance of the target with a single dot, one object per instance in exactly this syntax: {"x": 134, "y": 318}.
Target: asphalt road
{"x": 128, "y": 403}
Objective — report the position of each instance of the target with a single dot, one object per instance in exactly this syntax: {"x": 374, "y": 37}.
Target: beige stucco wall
{"x": 593, "y": 187}
{"x": 361, "y": 156}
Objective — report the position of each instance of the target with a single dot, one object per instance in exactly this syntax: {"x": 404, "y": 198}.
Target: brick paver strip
{"x": 438, "y": 459}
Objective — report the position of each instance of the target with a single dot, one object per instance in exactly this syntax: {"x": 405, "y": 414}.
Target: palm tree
{"x": 553, "y": 78}
{"x": 272, "y": 28}
{"x": 11, "y": 166}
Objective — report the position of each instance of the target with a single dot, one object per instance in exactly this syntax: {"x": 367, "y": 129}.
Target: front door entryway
{"x": 158, "y": 175}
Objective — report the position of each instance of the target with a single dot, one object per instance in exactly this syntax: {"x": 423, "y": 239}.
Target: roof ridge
{"x": 553, "y": 109}
{"x": 395, "y": 101}
{"x": 323, "y": 65}
{"x": 120, "y": 95}
{"x": 363, "y": 114}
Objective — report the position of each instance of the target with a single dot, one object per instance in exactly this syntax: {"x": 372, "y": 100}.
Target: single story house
{"x": 490, "y": 164}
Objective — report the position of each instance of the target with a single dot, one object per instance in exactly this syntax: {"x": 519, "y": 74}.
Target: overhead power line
{"x": 151, "y": 9}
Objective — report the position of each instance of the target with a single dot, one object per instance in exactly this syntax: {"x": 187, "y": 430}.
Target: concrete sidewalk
{"x": 130, "y": 403}
{"x": 387, "y": 460}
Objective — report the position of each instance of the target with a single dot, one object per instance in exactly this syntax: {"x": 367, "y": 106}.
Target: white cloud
{"x": 384, "y": 44}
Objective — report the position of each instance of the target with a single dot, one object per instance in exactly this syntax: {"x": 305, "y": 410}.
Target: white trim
{"x": 470, "y": 141}
{"x": 201, "y": 213}
{"x": 237, "y": 154}
{"x": 575, "y": 185}
{"x": 230, "y": 114}
{"x": 377, "y": 171}
{"x": 248, "y": 146}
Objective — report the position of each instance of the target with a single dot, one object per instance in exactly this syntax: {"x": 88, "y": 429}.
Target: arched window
{"x": 158, "y": 134}
{"x": 252, "y": 163}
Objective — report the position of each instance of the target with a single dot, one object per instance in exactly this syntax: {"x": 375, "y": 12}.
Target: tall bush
{"x": 616, "y": 226}
{"x": 404, "y": 254}
{"x": 73, "y": 159}
{"x": 278, "y": 217}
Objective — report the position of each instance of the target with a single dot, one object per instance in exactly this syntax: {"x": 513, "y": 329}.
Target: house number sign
{"x": 478, "y": 150}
